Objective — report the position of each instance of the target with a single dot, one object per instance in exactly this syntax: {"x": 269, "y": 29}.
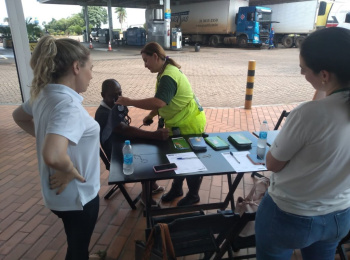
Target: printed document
{"x": 241, "y": 163}
{"x": 186, "y": 162}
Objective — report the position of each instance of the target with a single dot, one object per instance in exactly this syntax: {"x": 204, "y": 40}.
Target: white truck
{"x": 295, "y": 21}
{"x": 338, "y": 13}
{"x": 222, "y": 21}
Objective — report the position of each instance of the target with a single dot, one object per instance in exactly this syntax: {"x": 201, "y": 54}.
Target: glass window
{"x": 322, "y": 9}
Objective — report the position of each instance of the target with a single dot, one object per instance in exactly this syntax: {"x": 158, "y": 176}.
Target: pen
{"x": 184, "y": 158}
{"x": 235, "y": 157}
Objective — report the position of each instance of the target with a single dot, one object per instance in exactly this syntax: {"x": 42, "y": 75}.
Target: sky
{"x": 45, "y": 12}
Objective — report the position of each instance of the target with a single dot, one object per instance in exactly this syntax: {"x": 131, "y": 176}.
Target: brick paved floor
{"x": 217, "y": 75}
{"x": 29, "y": 231}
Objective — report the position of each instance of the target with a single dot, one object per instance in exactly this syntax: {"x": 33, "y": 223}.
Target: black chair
{"x": 280, "y": 119}
{"x": 340, "y": 248}
{"x": 202, "y": 233}
{"x": 282, "y": 116}
{"x": 118, "y": 186}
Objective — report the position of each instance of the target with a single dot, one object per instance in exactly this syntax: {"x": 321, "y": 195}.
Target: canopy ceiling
{"x": 147, "y": 3}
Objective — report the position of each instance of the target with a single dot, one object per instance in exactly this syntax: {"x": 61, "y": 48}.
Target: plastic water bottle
{"x": 261, "y": 148}
{"x": 128, "y": 163}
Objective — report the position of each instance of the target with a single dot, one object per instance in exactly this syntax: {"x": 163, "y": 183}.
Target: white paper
{"x": 186, "y": 162}
{"x": 244, "y": 165}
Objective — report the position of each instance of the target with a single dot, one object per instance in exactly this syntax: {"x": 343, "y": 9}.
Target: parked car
{"x": 94, "y": 34}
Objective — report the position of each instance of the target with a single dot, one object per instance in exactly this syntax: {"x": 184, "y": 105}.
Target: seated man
{"x": 114, "y": 119}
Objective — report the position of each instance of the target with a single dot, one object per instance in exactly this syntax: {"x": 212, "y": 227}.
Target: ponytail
{"x": 51, "y": 60}
{"x": 43, "y": 65}
{"x": 154, "y": 47}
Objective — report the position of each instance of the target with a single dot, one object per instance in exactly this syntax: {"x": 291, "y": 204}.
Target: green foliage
{"x": 5, "y": 31}
{"x": 97, "y": 16}
{"x": 121, "y": 15}
{"x": 34, "y": 31}
{"x": 74, "y": 30}
{"x": 73, "y": 25}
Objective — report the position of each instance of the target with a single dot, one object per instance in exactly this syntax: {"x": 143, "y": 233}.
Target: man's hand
{"x": 162, "y": 134}
{"x": 125, "y": 101}
{"x": 59, "y": 180}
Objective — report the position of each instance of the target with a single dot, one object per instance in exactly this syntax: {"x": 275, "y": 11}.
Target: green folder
{"x": 216, "y": 142}
{"x": 240, "y": 141}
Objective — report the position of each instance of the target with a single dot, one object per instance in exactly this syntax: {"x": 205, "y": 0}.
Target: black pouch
{"x": 240, "y": 142}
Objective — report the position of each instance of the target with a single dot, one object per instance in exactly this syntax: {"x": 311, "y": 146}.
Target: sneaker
{"x": 171, "y": 195}
{"x": 188, "y": 200}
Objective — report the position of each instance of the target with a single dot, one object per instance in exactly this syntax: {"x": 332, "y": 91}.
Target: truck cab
{"x": 253, "y": 25}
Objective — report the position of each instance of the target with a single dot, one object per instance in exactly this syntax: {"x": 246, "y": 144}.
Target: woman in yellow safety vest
{"x": 176, "y": 104}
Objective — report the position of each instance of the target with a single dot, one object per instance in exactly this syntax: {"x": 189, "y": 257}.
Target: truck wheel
{"x": 287, "y": 41}
{"x": 242, "y": 41}
{"x": 299, "y": 40}
{"x": 214, "y": 40}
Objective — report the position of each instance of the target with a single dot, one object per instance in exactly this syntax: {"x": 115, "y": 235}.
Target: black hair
{"x": 328, "y": 49}
{"x": 109, "y": 83}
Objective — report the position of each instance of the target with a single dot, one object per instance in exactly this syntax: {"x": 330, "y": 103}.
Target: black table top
{"x": 148, "y": 153}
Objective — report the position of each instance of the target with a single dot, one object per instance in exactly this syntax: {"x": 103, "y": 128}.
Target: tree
{"x": 121, "y": 15}
{"x": 34, "y": 31}
{"x": 97, "y": 15}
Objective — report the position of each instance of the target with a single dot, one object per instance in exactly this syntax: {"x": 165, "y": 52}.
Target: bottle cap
{"x": 127, "y": 142}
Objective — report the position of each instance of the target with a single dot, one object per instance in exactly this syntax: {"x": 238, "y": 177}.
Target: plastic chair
{"x": 280, "y": 119}
{"x": 117, "y": 186}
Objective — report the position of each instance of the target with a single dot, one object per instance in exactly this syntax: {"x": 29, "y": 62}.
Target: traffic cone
{"x": 90, "y": 46}
{"x": 109, "y": 46}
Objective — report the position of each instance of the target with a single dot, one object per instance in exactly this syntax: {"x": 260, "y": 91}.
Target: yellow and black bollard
{"x": 250, "y": 85}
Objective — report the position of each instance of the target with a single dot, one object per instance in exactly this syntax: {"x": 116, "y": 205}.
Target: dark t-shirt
{"x": 108, "y": 120}
{"x": 167, "y": 89}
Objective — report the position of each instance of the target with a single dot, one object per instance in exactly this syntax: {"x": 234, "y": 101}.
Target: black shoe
{"x": 188, "y": 200}
{"x": 154, "y": 203}
{"x": 172, "y": 194}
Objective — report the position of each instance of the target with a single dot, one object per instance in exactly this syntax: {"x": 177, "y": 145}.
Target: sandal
{"x": 159, "y": 189}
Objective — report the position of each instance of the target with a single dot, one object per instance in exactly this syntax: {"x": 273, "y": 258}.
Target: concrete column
{"x": 167, "y": 20}
{"x": 110, "y": 21}
{"x": 87, "y": 29}
{"x": 20, "y": 46}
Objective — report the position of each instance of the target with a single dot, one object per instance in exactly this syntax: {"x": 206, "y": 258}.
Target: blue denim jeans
{"x": 278, "y": 233}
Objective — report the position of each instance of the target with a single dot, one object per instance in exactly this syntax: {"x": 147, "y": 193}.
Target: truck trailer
{"x": 222, "y": 22}
{"x": 338, "y": 13}
{"x": 296, "y": 20}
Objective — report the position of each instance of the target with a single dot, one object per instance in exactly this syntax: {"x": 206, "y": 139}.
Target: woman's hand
{"x": 55, "y": 156}
{"x": 60, "y": 180}
{"x": 125, "y": 101}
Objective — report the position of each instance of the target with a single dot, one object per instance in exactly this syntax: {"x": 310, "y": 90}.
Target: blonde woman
{"x": 67, "y": 138}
